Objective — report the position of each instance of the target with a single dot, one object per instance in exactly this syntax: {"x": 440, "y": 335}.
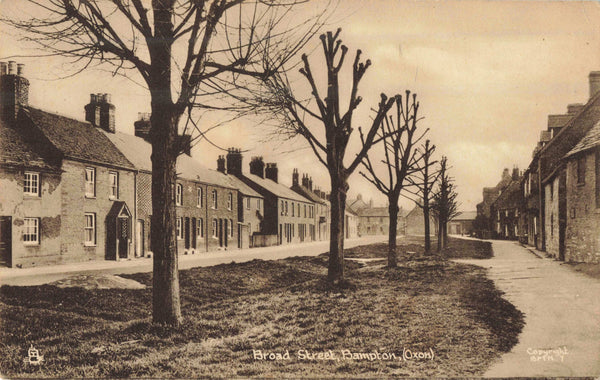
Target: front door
{"x": 5, "y": 240}
{"x": 123, "y": 237}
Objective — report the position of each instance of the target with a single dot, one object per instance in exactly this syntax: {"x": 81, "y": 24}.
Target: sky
{"x": 487, "y": 75}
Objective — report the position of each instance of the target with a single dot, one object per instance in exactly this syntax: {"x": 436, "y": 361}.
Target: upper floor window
{"x": 286, "y": 207}
{"x": 90, "y": 229}
{"x": 293, "y": 213}
{"x": 298, "y": 210}
{"x": 258, "y": 204}
{"x": 214, "y": 199}
{"x": 229, "y": 201}
{"x": 305, "y": 211}
{"x": 199, "y": 197}
{"x": 113, "y": 182}
{"x": 248, "y": 203}
{"x": 31, "y": 231}
{"x": 32, "y": 184}
{"x": 90, "y": 182}
{"x": 581, "y": 170}
{"x": 282, "y": 207}
{"x": 179, "y": 194}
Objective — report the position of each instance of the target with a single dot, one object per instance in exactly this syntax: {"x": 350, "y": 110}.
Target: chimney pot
{"x": 12, "y": 67}
{"x": 20, "y": 69}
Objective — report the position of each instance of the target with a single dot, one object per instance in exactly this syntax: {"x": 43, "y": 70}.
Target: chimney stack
{"x": 515, "y": 174}
{"x": 305, "y": 180}
{"x": 594, "y": 79}
{"x": 234, "y": 162}
{"x": 14, "y": 90}
{"x": 271, "y": 171}
{"x": 573, "y": 109}
{"x": 221, "y": 164}
{"x": 100, "y": 112}
{"x": 257, "y": 166}
{"x": 295, "y": 177}
{"x": 310, "y": 183}
{"x": 185, "y": 144}
{"x": 142, "y": 125}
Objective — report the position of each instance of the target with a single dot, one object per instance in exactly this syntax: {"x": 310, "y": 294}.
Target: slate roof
{"x": 276, "y": 188}
{"x": 138, "y": 151}
{"x": 242, "y": 187}
{"x": 15, "y": 151}
{"x": 77, "y": 139}
{"x": 303, "y": 191}
{"x": 589, "y": 141}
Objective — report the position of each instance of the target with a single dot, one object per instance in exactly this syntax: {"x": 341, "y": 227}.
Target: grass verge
{"x": 424, "y": 306}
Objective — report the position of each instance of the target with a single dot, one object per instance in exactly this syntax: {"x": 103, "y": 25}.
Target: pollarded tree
{"x": 421, "y": 186}
{"x": 187, "y": 53}
{"x": 444, "y": 205}
{"x": 329, "y": 141}
{"x": 400, "y": 160}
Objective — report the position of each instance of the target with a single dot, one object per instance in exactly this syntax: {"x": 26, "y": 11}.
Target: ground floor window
{"x": 179, "y": 228}
{"x": 31, "y": 231}
{"x": 90, "y": 229}
{"x": 231, "y": 228}
{"x": 214, "y": 228}
{"x": 200, "y": 228}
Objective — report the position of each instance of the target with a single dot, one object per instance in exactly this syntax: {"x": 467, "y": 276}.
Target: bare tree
{"x": 421, "y": 187}
{"x": 295, "y": 117}
{"x": 444, "y": 205}
{"x": 400, "y": 161}
{"x": 188, "y": 54}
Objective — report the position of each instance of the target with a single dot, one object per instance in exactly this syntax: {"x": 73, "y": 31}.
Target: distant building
{"x": 485, "y": 228}
{"x": 288, "y": 216}
{"x": 505, "y": 210}
{"x": 462, "y": 224}
{"x": 415, "y": 223}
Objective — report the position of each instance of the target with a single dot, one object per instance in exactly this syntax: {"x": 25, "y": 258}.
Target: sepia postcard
{"x": 299, "y": 189}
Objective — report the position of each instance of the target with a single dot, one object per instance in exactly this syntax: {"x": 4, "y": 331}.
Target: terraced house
{"x": 68, "y": 194}
{"x": 206, "y": 201}
{"x": 288, "y": 216}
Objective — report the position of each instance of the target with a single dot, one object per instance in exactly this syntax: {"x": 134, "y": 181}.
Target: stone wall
{"x": 582, "y": 241}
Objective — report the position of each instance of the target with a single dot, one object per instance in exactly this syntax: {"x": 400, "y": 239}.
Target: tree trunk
{"x": 165, "y": 293}
{"x": 335, "y": 272}
{"x": 439, "y": 235}
{"x": 427, "y": 225}
{"x": 392, "y": 235}
{"x": 164, "y": 122}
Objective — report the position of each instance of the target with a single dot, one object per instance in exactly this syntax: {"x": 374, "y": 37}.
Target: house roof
{"x": 510, "y": 197}
{"x": 357, "y": 204}
{"x": 276, "y": 188}
{"x": 466, "y": 215}
{"x": 139, "y": 151}
{"x": 589, "y": 141}
{"x": 77, "y": 139}
{"x": 14, "y": 150}
{"x": 242, "y": 187}
{"x": 305, "y": 192}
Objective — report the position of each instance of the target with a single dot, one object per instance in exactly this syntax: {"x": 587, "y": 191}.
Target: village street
{"x": 47, "y": 274}
{"x": 561, "y": 336}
